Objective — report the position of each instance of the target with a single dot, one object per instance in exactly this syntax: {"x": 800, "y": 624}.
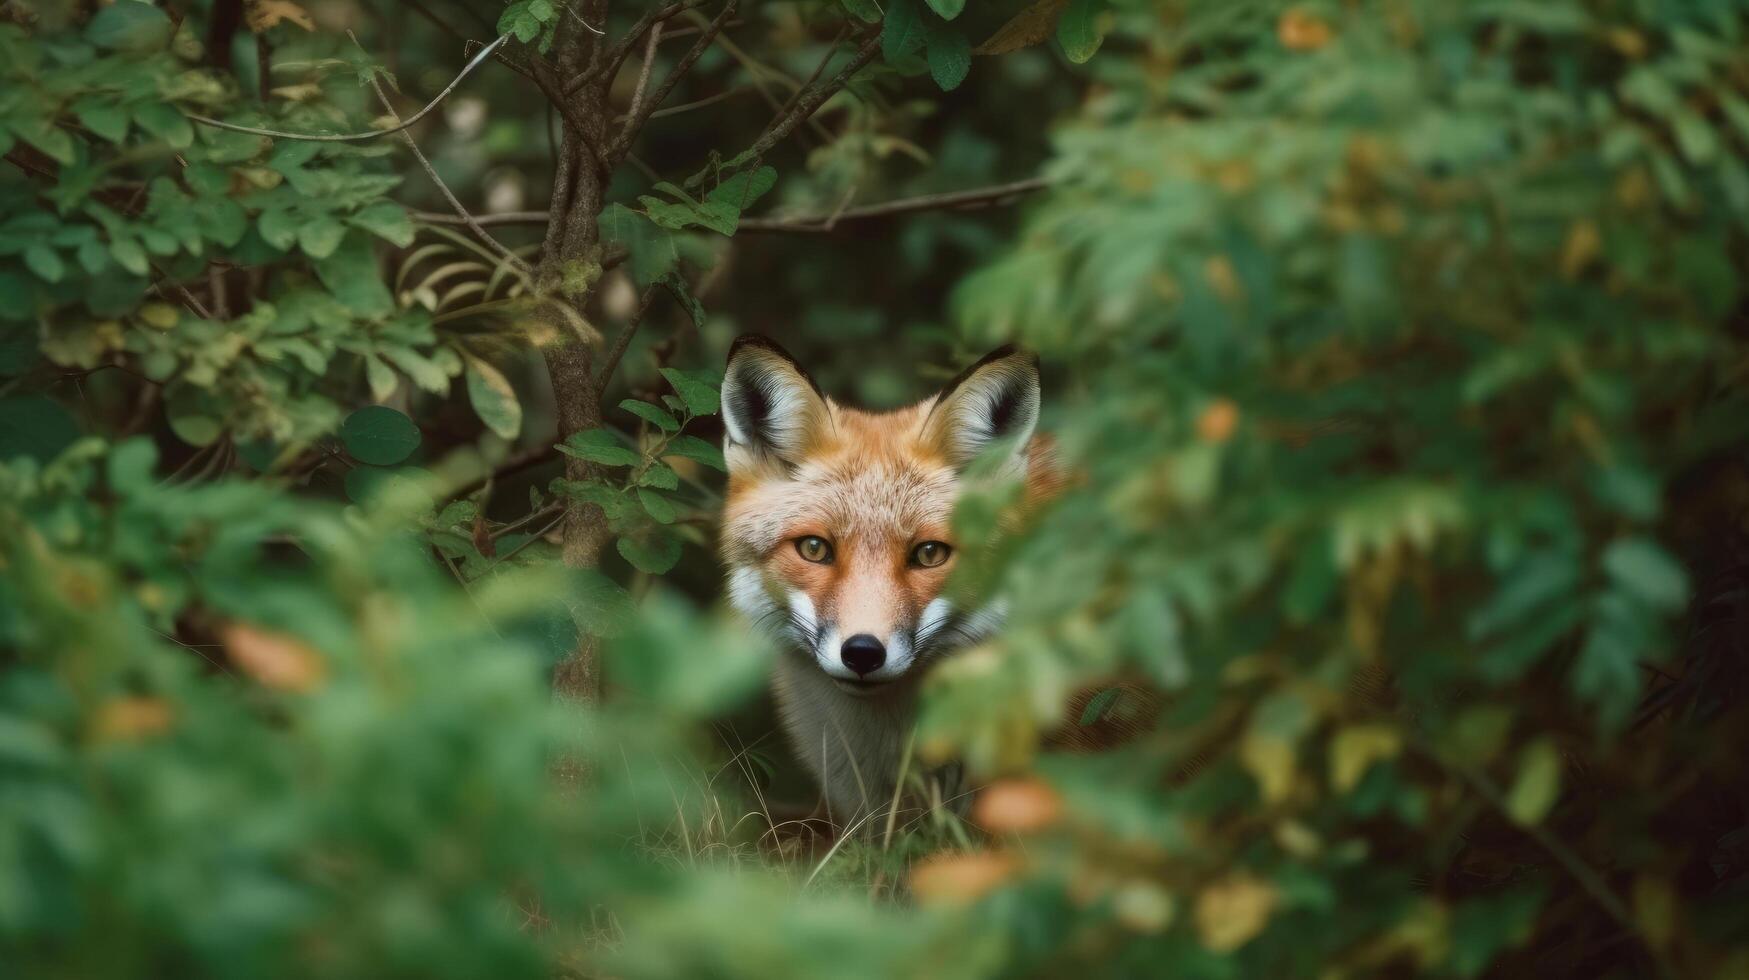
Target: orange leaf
{"x": 959, "y": 879}
{"x": 1017, "y": 806}
{"x": 1301, "y": 31}
{"x": 1032, "y": 25}
{"x": 1217, "y": 421}
{"x": 277, "y": 660}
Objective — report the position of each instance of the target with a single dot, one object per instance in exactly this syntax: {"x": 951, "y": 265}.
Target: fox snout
{"x": 863, "y": 653}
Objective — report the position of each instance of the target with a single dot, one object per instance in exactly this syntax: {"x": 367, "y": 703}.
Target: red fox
{"x": 837, "y": 535}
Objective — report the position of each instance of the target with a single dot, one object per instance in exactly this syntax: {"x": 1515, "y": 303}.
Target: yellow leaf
{"x": 1031, "y": 26}
{"x": 1270, "y": 760}
{"x": 160, "y": 315}
{"x": 1538, "y": 784}
{"x": 1143, "y": 906}
{"x": 1655, "y": 909}
{"x": 1354, "y": 749}
{"x": 277, "y": 660}
{"x": 263, "y": 14}
{"x": 132, "y": 718}
{"x": 1232, "y": 911}
{"x": 1583, "y": 243}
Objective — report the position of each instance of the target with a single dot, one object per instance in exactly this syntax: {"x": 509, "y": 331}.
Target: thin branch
{"x": 484, "y": 54}
{"x": 760, "y": 71}
{"x": 953, "y": 201}
{"x": 520, "y": 461}
{"x": 980, "y": 197}
{"x": 819, "y": 69}
{"x": 455, "y": 203}
{"x": 709, "y": 100}
{"x": 641, "y": 113}
{"x": 611, "y": 357}
{"x": 616, "y": 55}
{"x": 643, "y": 78}
{"x": 806, "y": 105}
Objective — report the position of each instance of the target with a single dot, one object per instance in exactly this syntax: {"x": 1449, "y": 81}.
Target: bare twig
{"x": 643, "y": 78}
{"x": 611, "y": 357}
{"x": 641, "y": 113}
{"x": 455, "y": 203}
{"x": 709, "y": 100}
{"x": 516, "y": 463}
{"x": 485, "y": 53}
{"x": 819, "y": 69}
{"x": 952, "y": 201}
{"x": 979, "y": 197}
{"x": 805, "y": 105}
{"x": 616, "y": 55}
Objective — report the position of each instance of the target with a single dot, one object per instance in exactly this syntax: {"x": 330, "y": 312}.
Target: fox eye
{"x": 814, "y": 548}
{"x": 930, "y": 554}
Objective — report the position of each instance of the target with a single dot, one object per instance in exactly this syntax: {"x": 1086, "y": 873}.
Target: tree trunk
{"x": 573, "y": 236}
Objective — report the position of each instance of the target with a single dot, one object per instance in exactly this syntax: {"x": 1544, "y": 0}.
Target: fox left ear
{"x": 995, "y": 399}
{"x": 772, "y": 408}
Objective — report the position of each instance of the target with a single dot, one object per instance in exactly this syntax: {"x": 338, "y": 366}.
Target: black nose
{"x": 863, "y": 653}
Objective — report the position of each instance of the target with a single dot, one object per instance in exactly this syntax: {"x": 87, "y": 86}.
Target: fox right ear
{"x": 770, "y": 405}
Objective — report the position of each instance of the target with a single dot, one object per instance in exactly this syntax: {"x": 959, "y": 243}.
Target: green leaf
{"x": 380, "y": 377}
{"x": 34, "y": 426}
{"x": 653, "y": 553}
{"x": 1078, "y": 29}
{"x": 682, "y": 292}
{"x": 902, "y": 32}
{"x": 128, "y": 254}
{"x": 948, "y": 9}
{"x": 131, "y": 465}
{"x": 661, "y": 476}
{"x": 652, "y": 250}
{"x": 701, "y": 397}
{"x": 598, "y": 605}
{"x": 696, "y": 449}
{"x": 278, "y": 228}
{"x": 320, "y": 237}
{"x": 950, "y": 56}
{"x": 127, "y": 25}
{"x": 866, "y": 11}
{"x": 351, "y": 273}
{"x": 43, "y": 261}
{"x": 660, "y": 508}
{"x": 164, "y": 121}
{"x": 1646, "y": 571}
{"x": 1098, "y": 705}
{"x": 387, "y": 220}
{"x": 745, "y": 188}
{"x": 379, "y": 435}
{"x": 493, "y": 398}
{"x": 599, "y": 446}
{"x": 1537, "y": 785}
{"x": 106, "y": 119}
{"x": 653, "y": 414}
{"x": 193, "y": 414}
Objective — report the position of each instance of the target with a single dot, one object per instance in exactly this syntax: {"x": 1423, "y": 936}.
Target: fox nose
{"x": 863, "y": 653}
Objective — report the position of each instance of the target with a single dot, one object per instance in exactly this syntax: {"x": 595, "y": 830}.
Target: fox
{"x": 837, "y": 538}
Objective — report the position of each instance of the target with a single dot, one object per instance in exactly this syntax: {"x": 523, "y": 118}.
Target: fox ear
{"x": 994, "y": 399}
{"x": 770, "y": 405}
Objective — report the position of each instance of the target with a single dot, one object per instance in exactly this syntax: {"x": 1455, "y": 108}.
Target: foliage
{"x": 1394, "y": 350}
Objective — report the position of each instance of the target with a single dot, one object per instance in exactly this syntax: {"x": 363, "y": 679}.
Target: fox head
{"x": 837, "y": 527}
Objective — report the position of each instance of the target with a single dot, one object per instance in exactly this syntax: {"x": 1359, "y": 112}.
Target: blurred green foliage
{"x": 1396, "y": 352}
